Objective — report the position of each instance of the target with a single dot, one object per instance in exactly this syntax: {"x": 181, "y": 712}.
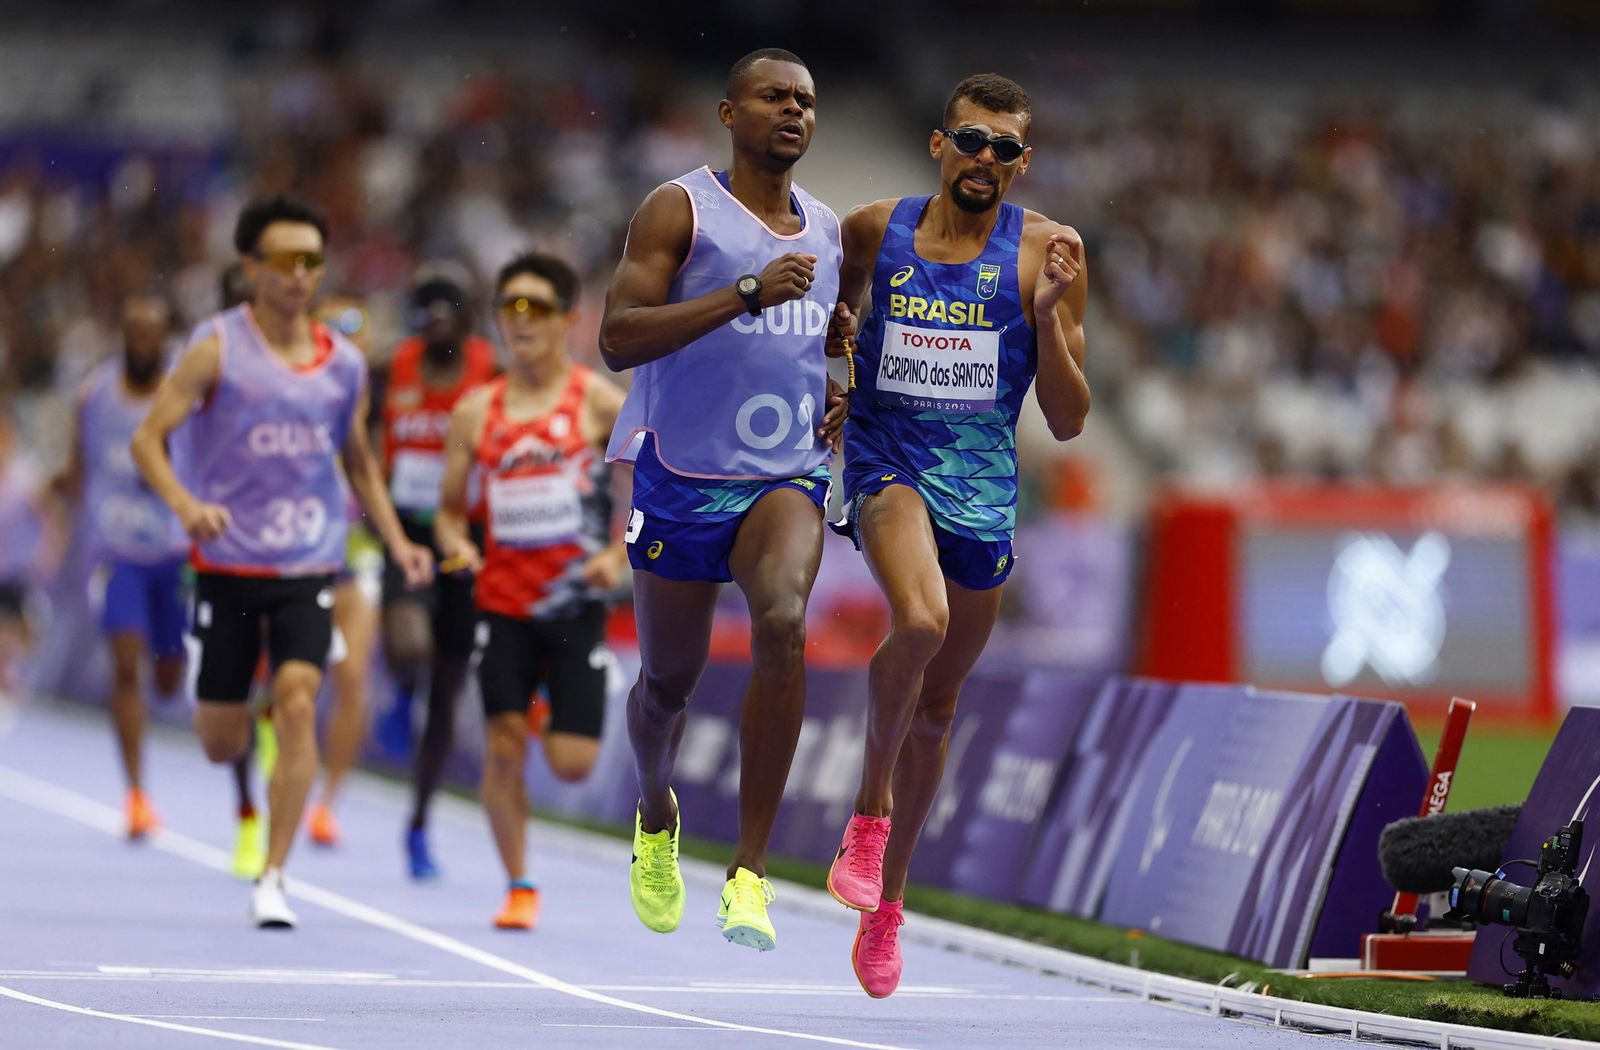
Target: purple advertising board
{"x": 1076, "y": 844}
{"x": 1565, "y": 790}
{"x": 1229, "y": 818}
{"x": 1357, "y": 891}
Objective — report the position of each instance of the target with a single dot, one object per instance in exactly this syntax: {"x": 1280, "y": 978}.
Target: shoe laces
{"x": 883, "y": 929}
{"x": 751, "y": 894}
{"x": 866, "y": 852}
{"x": 656, "y": 865}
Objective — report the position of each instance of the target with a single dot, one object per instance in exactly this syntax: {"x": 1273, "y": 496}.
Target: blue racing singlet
{"x": 945, "y": 357}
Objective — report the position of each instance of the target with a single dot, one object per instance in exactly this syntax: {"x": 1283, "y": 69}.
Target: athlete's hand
{"x": 415, "y": 561}
{"x": 832, "y": 429}
{"x": 462, "y": 557}
{"x": 204, "y": 522}
{"x": 1063, "y": 258}
{"x": 841, "y": 332}
{"x": 602, "y": 571}
{"x": 787, "y": 277}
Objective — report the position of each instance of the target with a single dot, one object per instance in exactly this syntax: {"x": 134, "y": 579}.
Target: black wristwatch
{"x": 749, "y": 289}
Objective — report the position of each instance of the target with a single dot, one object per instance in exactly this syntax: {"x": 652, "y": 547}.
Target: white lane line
{"x": 634, "y": 1027}
{"x": 41, "y": 794}
{"x": 226, "y": 1017}
{"x": 246, "y": 972}
{"x": 257, "y": 1040}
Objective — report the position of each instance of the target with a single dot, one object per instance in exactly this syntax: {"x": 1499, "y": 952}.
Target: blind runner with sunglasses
{"x": 972, "y": 298}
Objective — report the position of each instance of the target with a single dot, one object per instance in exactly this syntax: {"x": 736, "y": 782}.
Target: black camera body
{"x": 1548, "y": 916}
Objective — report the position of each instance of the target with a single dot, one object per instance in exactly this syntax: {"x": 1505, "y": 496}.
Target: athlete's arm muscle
{"x": 861, "y": 235}
{"x": 460, "y": 449}
{"x": 1053, "y": 255}
{"x": 603, "y": 569}
{"x": 68, "y": 484}
{"x": 181, "y": 389}
{"x": 639, "y": 324}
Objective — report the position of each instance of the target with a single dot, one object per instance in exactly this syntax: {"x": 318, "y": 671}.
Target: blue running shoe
{"x": 422, "y": 866}
{"x": 393, "y": 728}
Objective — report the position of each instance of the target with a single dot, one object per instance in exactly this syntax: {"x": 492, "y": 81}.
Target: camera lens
{"x": 1485, "y": 897}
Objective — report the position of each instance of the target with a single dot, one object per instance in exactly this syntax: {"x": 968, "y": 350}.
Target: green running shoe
{"x": 266, "y": 754}
{"x": 249, "y": 849}
{"x": 654, "y": 879}
{"x": 743, "y": 914}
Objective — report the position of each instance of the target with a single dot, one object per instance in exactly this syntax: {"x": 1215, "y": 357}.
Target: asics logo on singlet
{"x": 289, "y": 439}
{"x": 900, "y": 277}
{"x": 421, "y": 426}
{"x": 528, "y": 451}
{"x": 916, "y": 308}
{"x": 798, "y": 317}
{"x": 887, "y": 477}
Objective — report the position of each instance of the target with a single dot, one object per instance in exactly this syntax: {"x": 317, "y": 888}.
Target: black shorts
{"x": 448, "y": 598}
{"x": 13, "y": 599}
{"x": 231, "y": 614}
{"x": 565, "y": 655}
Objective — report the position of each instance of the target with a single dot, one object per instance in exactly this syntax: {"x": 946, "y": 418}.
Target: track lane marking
{"x": 257, "y": 1040}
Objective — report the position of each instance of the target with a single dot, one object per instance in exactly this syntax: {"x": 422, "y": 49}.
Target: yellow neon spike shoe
{"x": 266, "y": 755}
{"x": 743, "y": 914}
{"x": 249, "y": 850}
{"x": 654, "y": 879}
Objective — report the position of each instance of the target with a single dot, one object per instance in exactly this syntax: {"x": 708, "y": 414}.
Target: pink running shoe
{"x": 856, "y": 878}
{"x": 876, "y": 954}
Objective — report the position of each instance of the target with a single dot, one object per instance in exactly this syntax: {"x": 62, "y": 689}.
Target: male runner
{"x": 971, "y": 296}
{"x": 274, "y": 398}
{"x": 537, "y": 435}
{"x": 722, "y": 302}
{"x": 134, "y": 534}
{"x": 427, "y": 630}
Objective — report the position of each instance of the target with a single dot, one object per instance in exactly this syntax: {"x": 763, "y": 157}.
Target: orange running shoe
{"x": 324, "y": 829}
{"x": 521, "y": 909}
{"x": 142, "y": 819}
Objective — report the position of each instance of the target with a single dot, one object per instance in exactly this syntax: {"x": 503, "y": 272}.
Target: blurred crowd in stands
{"x": 1281, "y": 286}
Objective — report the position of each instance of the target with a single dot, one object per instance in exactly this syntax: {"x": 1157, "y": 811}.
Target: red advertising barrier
{"x": 1413, "y": 594}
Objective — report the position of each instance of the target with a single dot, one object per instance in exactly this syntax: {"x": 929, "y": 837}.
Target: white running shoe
{"x": 269, "y": 909}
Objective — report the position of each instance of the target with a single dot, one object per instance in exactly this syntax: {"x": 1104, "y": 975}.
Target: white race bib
{"x": 416, "y": 478}
{"x": 939, "y": 369}
{"x": 534, "y": 511}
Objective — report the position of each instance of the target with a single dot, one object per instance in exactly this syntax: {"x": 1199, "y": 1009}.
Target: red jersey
{"x": 416, "y": 417}
{"x": 548, "y": 506}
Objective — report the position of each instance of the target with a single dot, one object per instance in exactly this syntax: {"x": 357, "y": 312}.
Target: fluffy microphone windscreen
{"x": 1417, "y": 853}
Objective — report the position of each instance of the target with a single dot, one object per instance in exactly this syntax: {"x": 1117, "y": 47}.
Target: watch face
{"x": 748, "y": 285}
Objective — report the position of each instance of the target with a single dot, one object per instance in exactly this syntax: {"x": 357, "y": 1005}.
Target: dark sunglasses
{"x": 969, "y": 142}
{"x": 522, "y": 306}
{"x": 288, "y": 262}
